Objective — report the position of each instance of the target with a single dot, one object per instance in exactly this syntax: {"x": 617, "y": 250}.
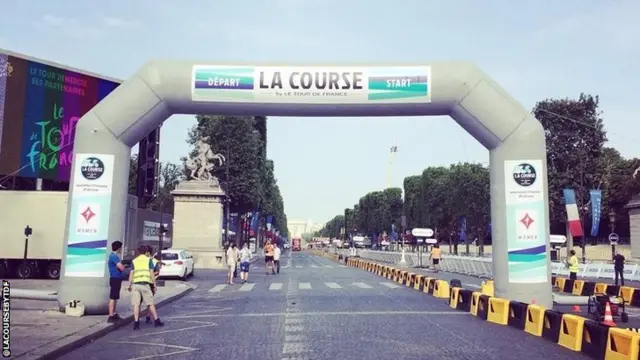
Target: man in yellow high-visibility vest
{"x": 573, "y": 265}
{"x": 140, "y": 277}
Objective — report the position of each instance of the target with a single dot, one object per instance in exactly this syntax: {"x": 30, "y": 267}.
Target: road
{"x": 316, "y": 309}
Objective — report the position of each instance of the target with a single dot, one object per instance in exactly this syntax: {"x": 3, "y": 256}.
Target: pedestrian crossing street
{"x": 313, "y": 266}
{"x": 303, "y": 286}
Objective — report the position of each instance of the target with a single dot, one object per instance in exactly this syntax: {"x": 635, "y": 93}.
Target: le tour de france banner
{"x": 311, "y": 84}
{"x": 526, "y": 221}
{"x": 89, "y": 219}
{"x": 39, "y": 108}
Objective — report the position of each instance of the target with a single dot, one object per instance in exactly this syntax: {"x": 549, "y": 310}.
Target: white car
{"x": 176, "y": 263}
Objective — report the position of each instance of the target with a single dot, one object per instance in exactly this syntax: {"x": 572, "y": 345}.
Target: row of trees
{"x": 577, "y": 158}
{"x": 247, "y": 176}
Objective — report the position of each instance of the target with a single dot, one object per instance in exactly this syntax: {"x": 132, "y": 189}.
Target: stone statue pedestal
{"x": 197, "y": 222}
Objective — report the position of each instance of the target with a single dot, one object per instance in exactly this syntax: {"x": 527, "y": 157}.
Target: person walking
{"x": 268, "y": 257}
{"x": 232, "y": 262}
{"x": 435, "y": 256}
{"x": 116, "y": 277}
{"x": 276, "y": 258}
{"x": 573, "y": 262}
{"x": 618, "y": 267}
{"x": 245, "y": 261}
{"x": 140, "y": 279}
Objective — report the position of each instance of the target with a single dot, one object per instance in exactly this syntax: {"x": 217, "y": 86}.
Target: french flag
{"x": 572, "y": 213}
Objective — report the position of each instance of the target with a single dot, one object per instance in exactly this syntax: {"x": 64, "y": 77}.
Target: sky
{"x": 534, "y": 49}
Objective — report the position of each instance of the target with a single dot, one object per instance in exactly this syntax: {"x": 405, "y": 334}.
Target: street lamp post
{"x": 612, "y": 226}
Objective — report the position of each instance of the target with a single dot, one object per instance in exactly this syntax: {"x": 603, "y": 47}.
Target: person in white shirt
{"x": 276, "y": 259}
{"x": 245, "y": 260}
{"x": 232, "y": 261}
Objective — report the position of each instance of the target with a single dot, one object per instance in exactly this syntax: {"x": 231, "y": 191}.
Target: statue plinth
{"x": 197, "y": 221}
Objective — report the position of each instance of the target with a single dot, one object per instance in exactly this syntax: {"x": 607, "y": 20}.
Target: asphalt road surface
{"x": 316, "y": 309}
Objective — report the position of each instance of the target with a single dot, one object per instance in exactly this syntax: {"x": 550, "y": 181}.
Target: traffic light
{"x": 148, "y": 168}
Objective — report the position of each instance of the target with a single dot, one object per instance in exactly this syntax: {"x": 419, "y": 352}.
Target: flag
{"x": 394, "y": 233}
{"x": 573, "y": 217}
{"x": 463, "y": 229}
{"x": 394, "y": 149}
{"x": 255, "y": 222}
{"x": 596, "y": 210}
{"x": 233, "y": 220}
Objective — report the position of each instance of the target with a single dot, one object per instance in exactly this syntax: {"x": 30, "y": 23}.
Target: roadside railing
{"x": 482, "y": 266}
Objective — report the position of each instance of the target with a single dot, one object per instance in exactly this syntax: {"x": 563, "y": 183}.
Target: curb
{"x": 104, "y": 329}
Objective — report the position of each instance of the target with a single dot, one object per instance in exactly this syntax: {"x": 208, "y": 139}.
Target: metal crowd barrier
{"x": 482, "y": 266}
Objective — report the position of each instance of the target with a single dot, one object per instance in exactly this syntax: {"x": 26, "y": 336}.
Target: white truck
{"x": 45, "y": 213}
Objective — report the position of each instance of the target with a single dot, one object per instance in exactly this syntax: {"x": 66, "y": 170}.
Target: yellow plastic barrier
{"x": 441, "y": 289}
{"x": 402, "y": 275}
{"x": 487, "y": 288}
{"x": 498, "y": 311}
{"x": 622, "y": 345}
{"x": 571, "y": 330}
{"x": 427, "y": 283}
{"x": 475, "y": 299}
{"x": 411, "y": 279}
{"x": 453, "y": 297}
{"x": 392, "y": 274}
{"x": 560, "y": 283}
{"x": 626, "y": 293}
{"x": 577, "y": 287}
{"x": 535, "y": 320}
{"x": 418, "y": 282}
{"x": 601, "y": 288}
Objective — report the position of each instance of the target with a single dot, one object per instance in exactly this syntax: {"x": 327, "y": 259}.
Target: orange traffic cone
{"x": 608, "y": 318}
{"x": 576, "y": 309}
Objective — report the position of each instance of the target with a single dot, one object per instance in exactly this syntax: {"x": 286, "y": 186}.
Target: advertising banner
{"x": 311, "y": 84}
{"x": 596, "y": 210}
{"x": 89, "y": 222}
{"x": 151, "y": 231}
{"x": 526, "y": 221}
{"x": 40, "y": 106}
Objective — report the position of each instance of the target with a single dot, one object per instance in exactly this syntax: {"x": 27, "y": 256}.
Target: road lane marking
{"x": 292, "y": 320}
{"x": 298, "y": 267}
{"x": 333, "y": 285}
{"x": 246, "y": 287}
{"x": 294, "y": 329}
{"x": 328, "y": 266}
{"x": 275, "y": 286}
{"x": 314, "y": 266}
{"x": 362, "y": 285}
{"x": 292, "y": 338}
{"x": 390, "y": 285}
{"x": 328, "y": 313}
{"x": 342, "y": 266}
{"x": 294, "y": 348}
{"x": 180, "y": 349}
{"x": 304, "y": 286}
{"x": 217, "y": 288}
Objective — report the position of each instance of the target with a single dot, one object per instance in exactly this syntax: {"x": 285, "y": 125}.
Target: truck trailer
{"x": 44, "y": 212}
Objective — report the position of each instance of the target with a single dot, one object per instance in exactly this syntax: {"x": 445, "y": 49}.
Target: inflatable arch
{"x": 516, "y": 142}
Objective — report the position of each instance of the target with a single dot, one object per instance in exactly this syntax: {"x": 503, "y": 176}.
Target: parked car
{"x": 176, "y": 263}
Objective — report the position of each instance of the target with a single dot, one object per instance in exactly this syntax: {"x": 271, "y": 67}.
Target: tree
{"x": 575, "y": 135}
{"x": 412, "y": 200}
{"x": 236, "y": 138}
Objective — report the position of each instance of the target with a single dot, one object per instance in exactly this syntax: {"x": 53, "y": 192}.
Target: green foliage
{"x": 573, "y": 150}
{"x": 235, "y": 138}
{"x": 251, "y": 183}
{"x": 576, "y": 158}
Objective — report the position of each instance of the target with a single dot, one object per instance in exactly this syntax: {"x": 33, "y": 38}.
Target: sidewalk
{"x": 39, "y": 330}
